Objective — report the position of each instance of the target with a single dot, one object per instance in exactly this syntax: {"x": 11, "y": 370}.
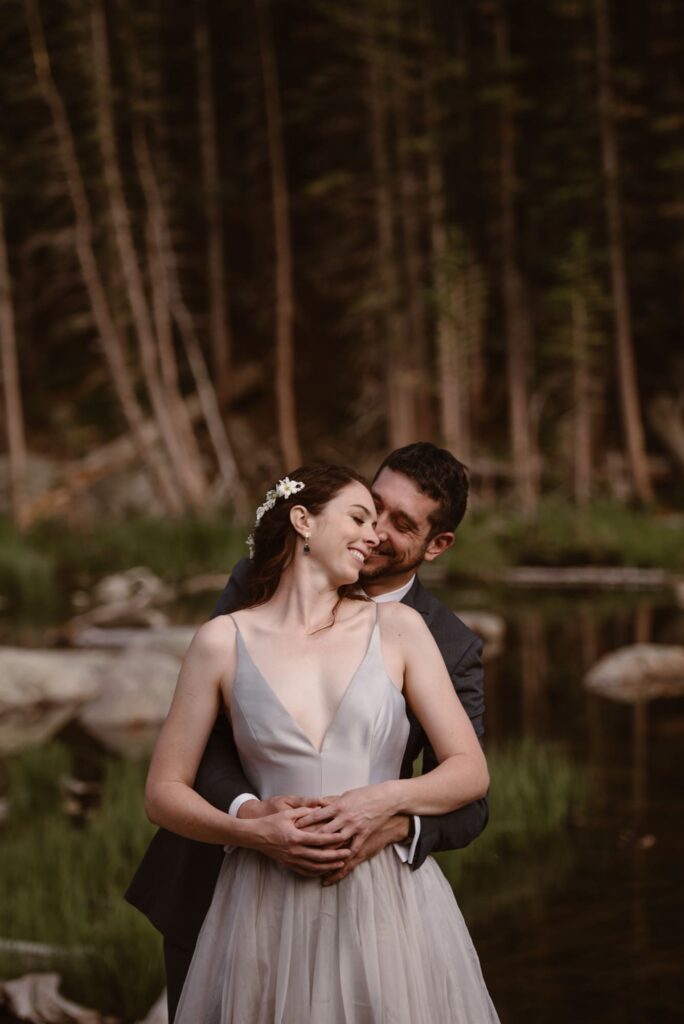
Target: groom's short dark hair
{"x": 439, "y": 474}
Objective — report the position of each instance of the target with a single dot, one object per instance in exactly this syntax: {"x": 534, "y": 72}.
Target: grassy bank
{"x": 605, "y": 533}
{"x": 62, "y": 881}
{"x": 39, "y": 567}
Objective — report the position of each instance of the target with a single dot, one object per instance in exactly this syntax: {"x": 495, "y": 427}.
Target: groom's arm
{"x": 457, "y": 829}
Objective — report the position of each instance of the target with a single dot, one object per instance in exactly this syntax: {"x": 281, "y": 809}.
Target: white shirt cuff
{"x": 235, "y": 807}
{"x": 407, "y": 851}
{"x": 239, "y": 801}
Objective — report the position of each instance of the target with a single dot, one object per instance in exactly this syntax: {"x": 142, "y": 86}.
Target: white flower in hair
{"x": 286, "y": 488}
{"x": 283, "y": 489}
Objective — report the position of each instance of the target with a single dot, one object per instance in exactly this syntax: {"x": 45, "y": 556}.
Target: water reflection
{"x": 587, "y": 928}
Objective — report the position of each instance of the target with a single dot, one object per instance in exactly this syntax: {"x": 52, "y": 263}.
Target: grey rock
{"x": 639, "y": 672}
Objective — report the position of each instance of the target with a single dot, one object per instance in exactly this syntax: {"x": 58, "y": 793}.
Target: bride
{"x": 315, "y": 678}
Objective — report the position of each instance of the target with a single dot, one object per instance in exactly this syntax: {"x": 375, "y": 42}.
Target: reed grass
{"x": 534, "y": 791}
{"x": 62, "y": 883}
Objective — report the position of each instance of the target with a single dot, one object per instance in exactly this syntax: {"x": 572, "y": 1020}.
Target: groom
{"x": 420, "y": 493}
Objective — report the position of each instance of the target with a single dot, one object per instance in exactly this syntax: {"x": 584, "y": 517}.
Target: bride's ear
{"x": 300, "y": 519}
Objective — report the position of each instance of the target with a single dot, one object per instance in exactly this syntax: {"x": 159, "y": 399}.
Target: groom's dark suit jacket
{"x": 175, "y": 881}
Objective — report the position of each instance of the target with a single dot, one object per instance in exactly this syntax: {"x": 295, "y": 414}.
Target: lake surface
{"x": 587, "y": 927}
{"x": 590, "y": 928}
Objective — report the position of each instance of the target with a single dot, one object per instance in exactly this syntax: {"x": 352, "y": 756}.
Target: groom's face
{"x": 403, "y": 528}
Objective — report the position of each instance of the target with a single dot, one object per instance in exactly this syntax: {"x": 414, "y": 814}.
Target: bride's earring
{"x": 306, "y": 548}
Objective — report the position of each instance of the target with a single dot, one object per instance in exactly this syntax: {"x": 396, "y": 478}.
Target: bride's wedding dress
{"x": 387, "y": 945}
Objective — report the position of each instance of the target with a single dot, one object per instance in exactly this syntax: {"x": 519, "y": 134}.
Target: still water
{"x": 594, "y": 931}
{"x": 588, "y": 926}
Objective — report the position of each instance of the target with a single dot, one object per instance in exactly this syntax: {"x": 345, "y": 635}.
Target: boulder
{"x": 637, "y": 673}
{"x": 138, "y": 583}
{"x": 135, "y": 691}
{"x": 30, "y": 678}
{"x": 40, "y": 691}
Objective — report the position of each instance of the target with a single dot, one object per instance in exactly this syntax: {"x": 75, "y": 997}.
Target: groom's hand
{"x": 394, "y": 830}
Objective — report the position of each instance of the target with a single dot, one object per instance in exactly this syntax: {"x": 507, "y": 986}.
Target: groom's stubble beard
{"x": 393, "y": 566}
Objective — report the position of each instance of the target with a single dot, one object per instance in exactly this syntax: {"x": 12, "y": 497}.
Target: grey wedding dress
{"x": 387, "y": 945}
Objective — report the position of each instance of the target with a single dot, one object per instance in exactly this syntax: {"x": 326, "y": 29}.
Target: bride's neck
{"x": 304, "y": 601}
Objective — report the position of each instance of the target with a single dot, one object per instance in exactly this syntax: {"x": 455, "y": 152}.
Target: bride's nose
{"x": 371, "y": 538}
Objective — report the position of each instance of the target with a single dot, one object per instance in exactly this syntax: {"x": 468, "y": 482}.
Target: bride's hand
{"x": 353, "y": 816}
{"x": 262, "y": 808}
{"x": 310, "y": 852}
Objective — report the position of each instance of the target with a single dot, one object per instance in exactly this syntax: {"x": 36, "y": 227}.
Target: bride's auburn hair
{"x": 275, "y": 538}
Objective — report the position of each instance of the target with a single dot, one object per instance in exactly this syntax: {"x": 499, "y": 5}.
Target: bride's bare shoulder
{"x": 399, "y": 618}
{"x": 214, "y": 635}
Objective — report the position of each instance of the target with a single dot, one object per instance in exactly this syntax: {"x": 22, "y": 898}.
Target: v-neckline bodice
{"x": 242, "y": 645}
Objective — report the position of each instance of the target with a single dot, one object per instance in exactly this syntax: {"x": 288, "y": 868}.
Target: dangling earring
{"x": 306, "y": 548}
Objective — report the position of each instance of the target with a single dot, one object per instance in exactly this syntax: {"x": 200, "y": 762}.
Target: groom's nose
{"x": 381, "y": 527}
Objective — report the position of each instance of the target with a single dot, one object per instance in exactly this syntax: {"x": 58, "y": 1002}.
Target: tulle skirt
{"x": 387, "y": 945}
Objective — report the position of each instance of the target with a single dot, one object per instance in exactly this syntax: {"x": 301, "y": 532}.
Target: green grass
{"x": 605, "y": 533}
{"x": 62, "y": 884}
{"x": 533, "y": 793}
{"x": 37, "y": 568}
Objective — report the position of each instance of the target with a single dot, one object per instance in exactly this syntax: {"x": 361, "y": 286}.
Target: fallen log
{"x": 608, "y": 577}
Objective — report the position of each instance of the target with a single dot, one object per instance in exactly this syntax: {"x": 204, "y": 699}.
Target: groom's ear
{"x": 300, "y": 519}
{"x": 438, "y": 544}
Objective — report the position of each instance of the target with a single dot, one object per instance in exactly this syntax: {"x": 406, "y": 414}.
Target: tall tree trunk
{"x": 393, "y": 342}
{"x": 219, "y": 315}
{"x": 112, "y": 345}
{"x": 11, "y": 390}
{"x": 185, "y": 460}
{"x": 518, "y": 330}
{"x": 627, "y": 376}
{"x": 451, "y": 304}
{"x": 285, "y": 383}
{"x": 416, "y": 354}
{"x": 582, "y": 399}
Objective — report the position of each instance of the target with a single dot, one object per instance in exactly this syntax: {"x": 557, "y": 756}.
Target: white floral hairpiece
{"x": 285, "y": 488}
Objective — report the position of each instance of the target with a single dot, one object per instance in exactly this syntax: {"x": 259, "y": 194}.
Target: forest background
{"x": 234, "y": 236}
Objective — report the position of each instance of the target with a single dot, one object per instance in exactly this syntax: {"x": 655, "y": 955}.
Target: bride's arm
{"x": 170, "y": 800}
{"x": 461, "y": 776}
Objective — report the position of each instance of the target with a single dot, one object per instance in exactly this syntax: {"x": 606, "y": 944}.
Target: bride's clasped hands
{"x": 282, "y": 834}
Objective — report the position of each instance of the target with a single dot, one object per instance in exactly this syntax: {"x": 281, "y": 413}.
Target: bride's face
{"x": 343, "y": 534}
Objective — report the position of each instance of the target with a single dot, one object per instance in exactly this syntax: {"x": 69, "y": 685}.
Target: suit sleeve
{"x": 457, "y": 829}
{"x": 220, "y": 777}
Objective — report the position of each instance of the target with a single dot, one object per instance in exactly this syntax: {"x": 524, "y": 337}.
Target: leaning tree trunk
{"x": 219, "y": 315}
{"x": 627, "y": 376}
{"x": 518, "y": 331}
{"x": 110, "y": 340}
{"x": 285, "y": 383}
{"x": 184, "y": 457}
{"x": 14, "y": 416}
{"x": 167, "y": 279}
